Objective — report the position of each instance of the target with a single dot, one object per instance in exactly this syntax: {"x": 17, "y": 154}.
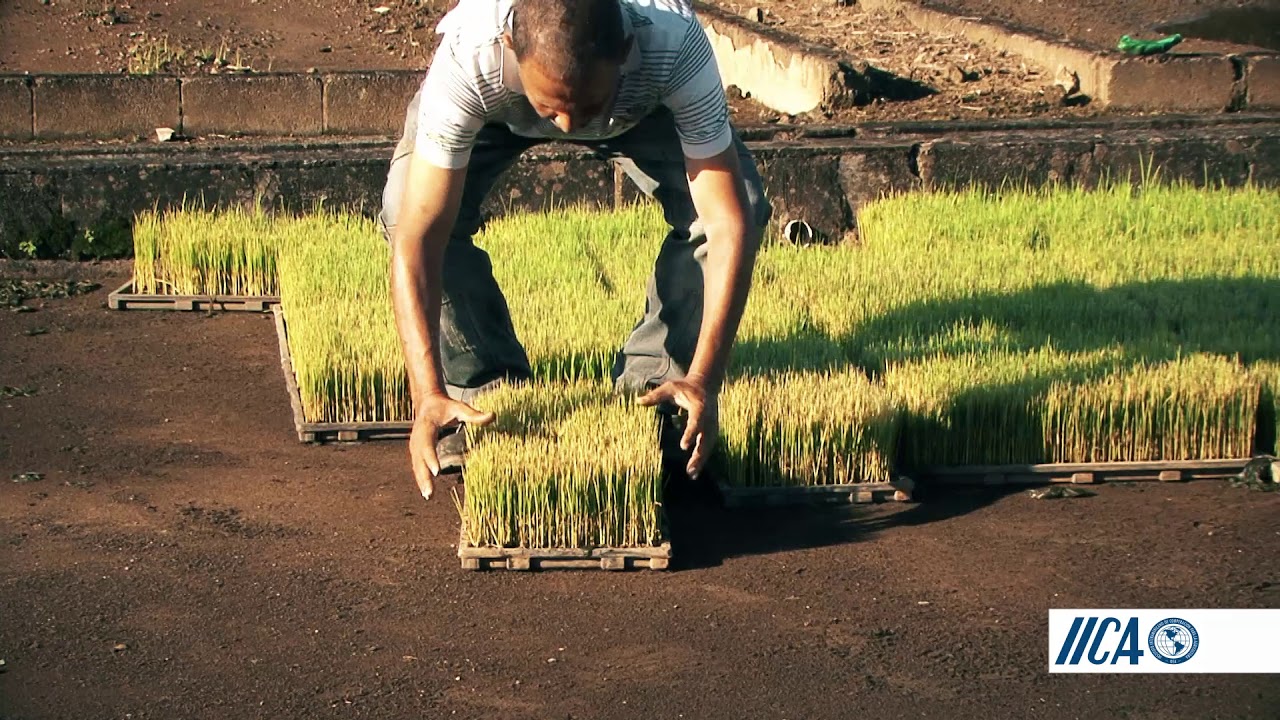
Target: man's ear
{"x": 508, "y": 42}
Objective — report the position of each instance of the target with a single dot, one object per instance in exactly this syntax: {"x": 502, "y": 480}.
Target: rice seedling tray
{"x": 124, "y": 298}
{"x": 899, "y": 490}
{"x": 1085, "y": 473}
{"x": 602, "y": 558}
{"x": 310, "y": 432}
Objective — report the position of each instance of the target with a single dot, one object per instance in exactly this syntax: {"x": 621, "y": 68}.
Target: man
{"x": 634, "y": 80}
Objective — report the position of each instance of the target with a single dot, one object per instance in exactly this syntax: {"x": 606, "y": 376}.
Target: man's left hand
{"x": 703, "y": 426}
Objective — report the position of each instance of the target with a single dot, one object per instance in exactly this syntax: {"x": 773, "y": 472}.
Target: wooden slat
{"x": 607, "y": 558}
{"x": 899, "y": 490}
{"x": 290, "y": 380}
{"x": 123, "y": 298}
{"x": 1068, "y": 468}
{"x": 1077, "y": 473}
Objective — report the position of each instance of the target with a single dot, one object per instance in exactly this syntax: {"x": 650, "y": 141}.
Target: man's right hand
{"x": 434, "y": 413}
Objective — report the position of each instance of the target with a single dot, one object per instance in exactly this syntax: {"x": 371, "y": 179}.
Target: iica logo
{"x": 1101, "y": 641}
{"x": 1173, "y": 640}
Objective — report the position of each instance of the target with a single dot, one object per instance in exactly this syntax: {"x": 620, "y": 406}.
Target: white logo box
{"x": 1164, "y": 641}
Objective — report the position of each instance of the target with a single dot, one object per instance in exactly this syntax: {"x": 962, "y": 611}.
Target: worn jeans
{"x": 478, "y": 341}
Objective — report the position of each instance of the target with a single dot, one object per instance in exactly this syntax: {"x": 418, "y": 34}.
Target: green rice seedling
{"x": 1173, "y": 267}
{"x": 571, "y": 296}
{"x": 948, "y": 291}
{"x": 564, "y": 466}
{"x": 575, "y": 282}
{"x": 816, "y": 428}
{"x": 969, "y": 307}
{"x": 983, "y": 408}
{"x": 1199, "y": 407}
{"x": 200, "y": 252}
{"x": 342, "y": 337}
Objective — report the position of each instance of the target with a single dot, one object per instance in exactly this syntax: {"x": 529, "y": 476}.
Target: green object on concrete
{"x": 1147, "y": 47}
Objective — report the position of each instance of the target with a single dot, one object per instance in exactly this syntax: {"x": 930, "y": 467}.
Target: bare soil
{"x": 182, "y": 555}
{"x": 1100, "y": 23}
{"x": 101, "y": 36}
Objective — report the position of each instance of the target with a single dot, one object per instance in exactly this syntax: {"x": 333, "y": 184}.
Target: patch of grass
{"x": 335, "y": 292}
{"x": 203, "y": 252}
{"x": 575, "y": 282}
{"x": 1061, "y": 325}
{"x": 566, "y": 465}
{"x": 971, "y": 306}
{"x": 829, "y": 428}
{"x": 150, "y": 55}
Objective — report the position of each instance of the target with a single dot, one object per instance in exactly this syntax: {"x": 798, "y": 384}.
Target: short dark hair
{"x": 568, "y": 37}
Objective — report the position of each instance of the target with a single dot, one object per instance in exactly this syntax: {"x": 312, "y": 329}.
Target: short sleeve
{"x": 695, "y": 95}
{"x": 450, "y": 111}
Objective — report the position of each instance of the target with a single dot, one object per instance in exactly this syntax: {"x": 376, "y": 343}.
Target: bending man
{"x": 637, "y": 83}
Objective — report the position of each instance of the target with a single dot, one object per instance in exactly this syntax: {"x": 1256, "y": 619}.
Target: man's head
{"x": 569, "y": 53}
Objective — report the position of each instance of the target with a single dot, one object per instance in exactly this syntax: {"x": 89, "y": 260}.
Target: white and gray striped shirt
{"x": 473, "y": 81}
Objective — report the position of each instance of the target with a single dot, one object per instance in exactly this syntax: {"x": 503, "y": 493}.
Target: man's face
{"x": 566, "y": 107}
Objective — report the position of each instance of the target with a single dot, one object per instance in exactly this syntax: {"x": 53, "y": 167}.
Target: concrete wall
{"x": 51, "y": 195}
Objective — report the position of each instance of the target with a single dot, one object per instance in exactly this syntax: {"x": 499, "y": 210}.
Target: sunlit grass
{"x": 565, "y": 465}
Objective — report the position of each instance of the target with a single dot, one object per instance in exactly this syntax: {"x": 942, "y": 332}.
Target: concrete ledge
{"x": 1184, "y": 83}
{"x": 368, "y": 103}
{"x": 879, "y": 170}
{"x": 265, "y": 104}
{"x": 780, "y": 71}
{"x": 15, "y": 108}
{"x": 806, "y": 189}
{"x": 104, "y": 106}
{"x": 1091, "y": 68}
{"x": 1009, "y": 162}
{"x": 1165, "y": 83}
{"x": 1263, "y": 78}
{"x": 53, "y": 194}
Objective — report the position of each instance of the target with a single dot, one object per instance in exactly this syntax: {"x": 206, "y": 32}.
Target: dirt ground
{"x": 1100, "y": 23}
{"x": 182, "y": 555}
{"x": 101, "y": 36}
{"x": 935, "y": 76}
{"x": 938, "y": 77}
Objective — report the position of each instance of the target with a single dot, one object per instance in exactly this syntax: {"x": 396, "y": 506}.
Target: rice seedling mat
{"x": 309, "y": 432}
{"x": 1085, "y": 473}
{"x": 123, "y": 298}
{"x": 601, "y": 558}
{"x": 899, "y": 490}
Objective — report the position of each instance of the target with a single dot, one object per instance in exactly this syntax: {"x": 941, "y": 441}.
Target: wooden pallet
{"x": 123, "y": 298}
{"x": 310, "y": 432}
{"x": 487, "y": 558}
{"x": 1083, "y": 473}
{"x": 899, "y": 490}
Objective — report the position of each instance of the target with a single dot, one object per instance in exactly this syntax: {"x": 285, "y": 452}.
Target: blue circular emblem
{"x": 1173, "y": 640}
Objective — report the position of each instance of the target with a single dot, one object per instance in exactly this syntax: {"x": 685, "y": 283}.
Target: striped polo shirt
{"x": 473, "y": 81}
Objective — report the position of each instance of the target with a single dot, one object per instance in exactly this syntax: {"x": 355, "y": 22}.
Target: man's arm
{"x": 428, "y": 210}
{"x": 719, "y": 197}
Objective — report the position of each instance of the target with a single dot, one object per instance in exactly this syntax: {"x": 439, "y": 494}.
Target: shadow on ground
{"x": 706, "y": 533}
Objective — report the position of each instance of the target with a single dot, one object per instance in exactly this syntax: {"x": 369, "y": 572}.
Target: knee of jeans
{"x": 760, "y": 207}
{"x": 761, "y": 212}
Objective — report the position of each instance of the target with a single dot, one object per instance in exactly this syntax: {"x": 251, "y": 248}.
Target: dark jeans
{"x": 478, "y": 341}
